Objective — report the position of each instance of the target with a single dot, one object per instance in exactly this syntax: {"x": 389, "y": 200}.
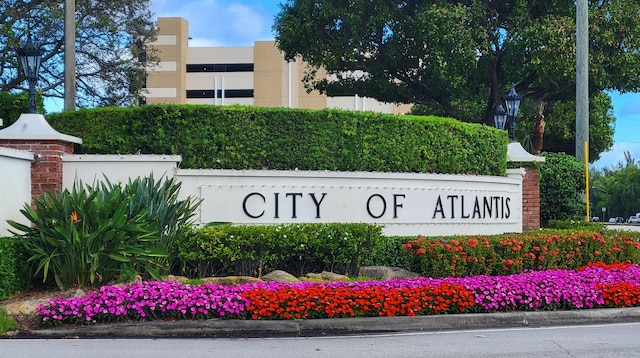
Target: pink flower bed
{"x": 593, "y": 286}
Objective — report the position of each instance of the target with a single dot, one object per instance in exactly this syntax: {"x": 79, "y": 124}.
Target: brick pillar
{"x": 46, "y": 169}
{"x": 32, "y": 133}
{"x": 531, "y": 199}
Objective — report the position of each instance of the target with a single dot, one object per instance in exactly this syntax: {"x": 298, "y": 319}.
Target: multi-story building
{"x": 248, "y": 75}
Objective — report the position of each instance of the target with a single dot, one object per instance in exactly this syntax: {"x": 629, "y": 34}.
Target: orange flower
{"x": 74, "y": 216}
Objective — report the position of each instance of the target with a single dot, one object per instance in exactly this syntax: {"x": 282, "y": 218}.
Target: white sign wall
{"x": 405, "y": 204}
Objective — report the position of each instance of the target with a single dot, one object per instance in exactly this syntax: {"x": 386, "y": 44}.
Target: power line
{"x": 624, "y": 140}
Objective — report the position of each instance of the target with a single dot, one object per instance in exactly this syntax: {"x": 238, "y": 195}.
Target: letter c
{"x": 244, "y": 205}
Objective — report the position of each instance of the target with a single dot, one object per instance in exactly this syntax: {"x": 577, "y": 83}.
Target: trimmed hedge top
{"x": 248, "y": 137}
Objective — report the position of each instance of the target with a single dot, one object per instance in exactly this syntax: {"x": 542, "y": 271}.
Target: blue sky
{"x": 241, "y": 22}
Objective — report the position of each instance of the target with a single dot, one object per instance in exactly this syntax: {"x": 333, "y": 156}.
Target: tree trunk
{"x": 538, "y": 131}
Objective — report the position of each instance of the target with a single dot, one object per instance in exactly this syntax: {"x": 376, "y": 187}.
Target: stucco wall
{"x": 405, "y": 204}
{"x": 117, "y": 168}
{"x": 15, "y": 190}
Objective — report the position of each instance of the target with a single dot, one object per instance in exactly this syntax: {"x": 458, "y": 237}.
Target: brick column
{"x": 531, "y": 199}
{"x": 33, "y": 134}
{"x": 46, "y": 169}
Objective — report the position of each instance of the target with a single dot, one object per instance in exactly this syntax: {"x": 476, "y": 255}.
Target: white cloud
{"x": 248, "y": 21}
{"x": 616, "y": 154}
{"x": 219, "y": 23}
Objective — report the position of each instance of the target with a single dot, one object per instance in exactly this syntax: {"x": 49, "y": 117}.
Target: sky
{"x": 241, "y": 22}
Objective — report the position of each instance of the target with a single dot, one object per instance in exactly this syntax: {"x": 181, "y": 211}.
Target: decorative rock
{"x": 181, "y": 279}
{"x": 384, "y": 273}
{"x": 313, "y": 276}
{"x": 24, "y": 307}
{"x": 280, "y": 276}
{"x": 230, "y": 280}
{"x": 29, "y": 306}
{"x": 330, "y": 276}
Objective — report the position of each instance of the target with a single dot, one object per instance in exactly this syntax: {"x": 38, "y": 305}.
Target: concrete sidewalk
{"x": 337, "y": 326}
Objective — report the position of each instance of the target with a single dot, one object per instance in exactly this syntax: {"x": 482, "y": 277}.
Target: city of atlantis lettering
{"x": 255, "y": 205}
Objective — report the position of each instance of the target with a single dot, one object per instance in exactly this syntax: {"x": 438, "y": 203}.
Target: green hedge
{"x": 12, "y": 105}
{"x": 9, "y": 278}
{"x": 562, "y": 179}
{"x": 247, "y": 137}
{"x": 253, "y": 250}
{"x": 576, "y": 225}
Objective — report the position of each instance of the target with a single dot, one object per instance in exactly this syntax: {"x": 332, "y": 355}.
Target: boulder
{"x": 384, "y": 273}
{"x": 280, "y": 276}
{"x": 330, "y": 276}
{"x": 312, "y": 276}
{"x": 181, "y": 279}
{"x": 28, "y": 306}
{"x": 230, "y": 280}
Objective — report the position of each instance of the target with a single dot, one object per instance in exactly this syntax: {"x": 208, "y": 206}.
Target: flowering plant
{"x": 592, "y": 286}
{"x": 513, "y": 253}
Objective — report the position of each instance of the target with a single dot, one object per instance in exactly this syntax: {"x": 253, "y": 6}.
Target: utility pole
{"x": 69, "y": 55}
{"x": 582, "y": 78}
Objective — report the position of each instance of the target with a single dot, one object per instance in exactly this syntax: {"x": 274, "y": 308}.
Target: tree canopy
{"x": 458, "y": 58}
{"x": 110, "y": 35}
{"x": 616, "y": 189}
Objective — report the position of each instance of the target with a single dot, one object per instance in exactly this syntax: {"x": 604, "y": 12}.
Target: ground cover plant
{"x": 6, "y": 322}
{"x": 592, "y": 286}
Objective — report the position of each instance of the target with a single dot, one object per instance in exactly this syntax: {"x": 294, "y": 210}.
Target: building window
{"x": 237, "y": 93}
{"x": 220, "y": 67}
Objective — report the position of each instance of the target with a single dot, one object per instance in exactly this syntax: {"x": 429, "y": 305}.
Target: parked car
{"x": 620, "y": 219}
{"x": 613, "y": 220}
{"x": 633, "y": 219}
{"x": 594, "y": 219}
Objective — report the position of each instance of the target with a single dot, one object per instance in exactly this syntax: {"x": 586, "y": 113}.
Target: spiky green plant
{"x": 160, "y": 203}
{"x": 97, "y": 233}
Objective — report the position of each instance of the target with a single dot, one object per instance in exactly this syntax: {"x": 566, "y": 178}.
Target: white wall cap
{"x": 17, "y": 154}
{"x": 518, "y": 173}
{"x": 34, "y": 126}
{"x": 339, "y": 175}
{"x": 515, "y": 153}
{"x": 121, "y": 158}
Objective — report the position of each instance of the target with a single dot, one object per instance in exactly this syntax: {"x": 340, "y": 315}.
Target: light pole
{"x": 30, "y": 57}
{"x": 501, "y": 117}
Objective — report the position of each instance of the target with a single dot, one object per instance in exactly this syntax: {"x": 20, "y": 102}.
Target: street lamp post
{"x": 30, "y": 57}
{"x": 501, "y": 117}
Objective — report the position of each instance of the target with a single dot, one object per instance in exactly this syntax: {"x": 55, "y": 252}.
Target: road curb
{"x": 338, "y": 326}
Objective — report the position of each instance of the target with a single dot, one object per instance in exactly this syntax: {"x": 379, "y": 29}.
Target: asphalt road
{"x": 606, "y": 340}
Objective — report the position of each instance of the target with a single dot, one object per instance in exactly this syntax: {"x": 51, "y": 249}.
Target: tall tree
{"x": 616, "y": 188}
{"x": 458, "y": 58}
{"x": 560, "y": 129}
{"x": 110, "y": 37}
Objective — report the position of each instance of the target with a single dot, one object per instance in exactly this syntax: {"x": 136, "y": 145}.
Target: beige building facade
{"x": 246, "y": 75}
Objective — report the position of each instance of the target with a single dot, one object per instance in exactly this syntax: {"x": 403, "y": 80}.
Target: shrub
{"x": 562, "y": 180}
{"x": 158, "y": 202}
{"x": 514, "y": 253}
{"x": 9, "y": 279}
{"x": 249, "y": 137}
{"x": 12, "y": 105}
{"x": 576, "y": 225}
{"x": 390, "y": 252}
{"x": 6, "y": 322}
{"x": 98, "y": 233}
{"x": 297, "y": 248}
